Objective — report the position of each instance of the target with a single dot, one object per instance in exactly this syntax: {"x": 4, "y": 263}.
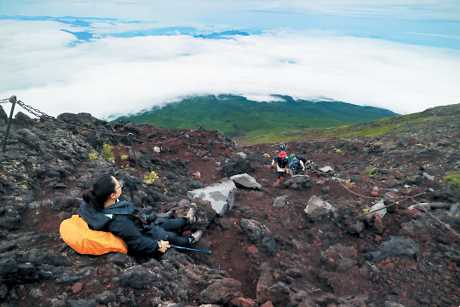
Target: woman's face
{"x": 118, "y": 189}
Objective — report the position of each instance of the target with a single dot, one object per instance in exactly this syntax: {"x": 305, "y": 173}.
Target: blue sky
{"x": 125, "y": 56}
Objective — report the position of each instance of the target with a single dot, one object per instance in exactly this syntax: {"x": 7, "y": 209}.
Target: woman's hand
{"x": 163, "y": 246}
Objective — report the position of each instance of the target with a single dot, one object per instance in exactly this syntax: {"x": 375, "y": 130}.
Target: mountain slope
{"x": 236, "y": 116}
{"x": 440, "y": 118}
{"x": 266, "y": 249}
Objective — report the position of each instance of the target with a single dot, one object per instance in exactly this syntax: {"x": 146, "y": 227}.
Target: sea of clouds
{"x": 113, "y": 76}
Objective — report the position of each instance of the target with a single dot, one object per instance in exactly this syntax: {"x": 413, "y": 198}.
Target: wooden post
{"x": 10, "y": 119}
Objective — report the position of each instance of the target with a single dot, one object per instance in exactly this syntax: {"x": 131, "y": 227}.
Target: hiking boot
{"x": 191, "y": 217}
{"x": 196, "y": 236}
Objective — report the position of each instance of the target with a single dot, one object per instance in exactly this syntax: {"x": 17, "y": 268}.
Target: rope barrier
{"x": 397, "y": 202}
{"x": 42, "y": 115}
{"x": 356, "y": 193}
{"x": 442, "y": 223}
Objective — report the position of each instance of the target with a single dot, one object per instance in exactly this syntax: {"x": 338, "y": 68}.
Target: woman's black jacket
{"x": 119, "y": 219}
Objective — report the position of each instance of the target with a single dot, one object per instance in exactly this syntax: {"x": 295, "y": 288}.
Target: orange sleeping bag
{"x": 76, "y": 233}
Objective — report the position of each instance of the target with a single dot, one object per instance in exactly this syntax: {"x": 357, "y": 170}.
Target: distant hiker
{"x": 102, "y": 210}
{"x": 296, "y": 164}
{"x": 281, "y": 164}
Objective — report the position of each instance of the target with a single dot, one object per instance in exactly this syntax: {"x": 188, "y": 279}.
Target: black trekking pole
{"x": 197, "y": 250}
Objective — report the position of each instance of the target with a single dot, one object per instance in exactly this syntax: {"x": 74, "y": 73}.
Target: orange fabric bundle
{"x": 76, "y": 233}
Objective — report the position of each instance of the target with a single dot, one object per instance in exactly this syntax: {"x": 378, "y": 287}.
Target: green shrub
{"x": 150, "y": 177}
{"x": 453, "y": 178}
{"x": 93, "y": 155}
{"x": 107, "y": 152}
{"x": 371, "y": 171}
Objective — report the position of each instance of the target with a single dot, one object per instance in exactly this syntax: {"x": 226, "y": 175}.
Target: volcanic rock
{"x": 245, "y": 181}
{"x": 316, "y": 207}
{"x": 220, "y": 195}
{"x": 395, "y": 247}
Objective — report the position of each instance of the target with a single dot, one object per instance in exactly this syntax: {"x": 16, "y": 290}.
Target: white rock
{"x": 317, "y": 207}
{"x": 428, "y": 176}
{"x": 246, "y": 181}
{"x": 326, "y": 169}
{"x": 378, "y": 209}
{"x": 220, "y": 195}
{"x": 280, "y": 201}
{"x": 243, "y": 155}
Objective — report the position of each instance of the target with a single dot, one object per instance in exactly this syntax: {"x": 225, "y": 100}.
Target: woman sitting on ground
{"x": 102, "y": 210}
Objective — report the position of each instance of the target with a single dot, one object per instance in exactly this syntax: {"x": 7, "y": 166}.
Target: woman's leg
{"x": 159, "y": 233}
{"x": 170, "y": 224}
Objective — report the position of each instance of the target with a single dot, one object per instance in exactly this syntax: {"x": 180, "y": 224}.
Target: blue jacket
{"x": 120, "y": 220}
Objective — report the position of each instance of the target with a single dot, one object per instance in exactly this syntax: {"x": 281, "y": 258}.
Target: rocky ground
{"x": 268, "y": 248}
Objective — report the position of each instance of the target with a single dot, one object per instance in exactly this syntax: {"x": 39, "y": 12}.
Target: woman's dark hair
{"x": 102, "y": 188}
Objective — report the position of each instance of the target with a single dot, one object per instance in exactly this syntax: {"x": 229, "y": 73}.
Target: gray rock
{"x": 221, "y": 196}
{"x": 428, "y": 176}
{"x": 316, "y": 207}
{"x": 237, "y": 166}
{"x": 119, "y": 259}
{"x": 298, "y": 182}
{"x": 138, "y": 277}
{"x": 105, "y": 297}
{"x": 392, "y": 304}
{"x": 269, "y": 245}
{"x": 82, "y": 303}
{"x": 3, "y": 116}
{"x": 18, "y": 271}
{"x": 221, "y": 291}
{"x": 395, "y": 247}
{"x": 339, "y": 257}
{"x": 279, "y": 293}
{"x": 245, "y": 181}
{"x": 326, "y": 169}
{"x": 254, "y": 230}
{"x": 242, "y": 155}
{"x": 68, "y": 278}
{"x": 280, "y": 201}
{"x": 56, "y": 302}
{"x": 3, "y": 291}
{"x": 259, "y": 234}
{"x": 10, "y": 218}
{"x": 29, "y": 138}
{"x": 23, "y": 120}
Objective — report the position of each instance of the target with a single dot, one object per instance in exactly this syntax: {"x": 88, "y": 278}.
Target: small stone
{"x": 316, "y": 207}
{"x": 251, "y": 249}
{"x": 82, "y": 303}
{"x": 243, "y": 155}
{"x": 243, "y": 302}
{"x": 428, "y": 176}
{"x": 280, "y": 201}
{"x": 77, "y": 287}
{"x": 326, "y": 169}
{"x": 375, "y": 192}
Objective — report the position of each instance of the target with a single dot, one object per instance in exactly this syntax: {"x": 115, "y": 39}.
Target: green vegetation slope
{"x": 236, "y": 116}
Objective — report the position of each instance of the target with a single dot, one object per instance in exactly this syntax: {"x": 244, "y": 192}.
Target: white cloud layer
{"x": 177, "y": 11}
{"x": 122, "y": 75}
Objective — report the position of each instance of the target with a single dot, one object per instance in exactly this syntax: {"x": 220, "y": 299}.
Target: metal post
{"x": 13, "y": 100}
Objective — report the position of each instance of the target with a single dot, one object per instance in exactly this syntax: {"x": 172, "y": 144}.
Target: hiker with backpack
{"x": 102, "y": 210}
{"x": 296, "y": 164}
{"x": 280, "y": 162}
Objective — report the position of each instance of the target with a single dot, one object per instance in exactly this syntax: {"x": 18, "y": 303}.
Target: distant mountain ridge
{"x": 237, "y": 116}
